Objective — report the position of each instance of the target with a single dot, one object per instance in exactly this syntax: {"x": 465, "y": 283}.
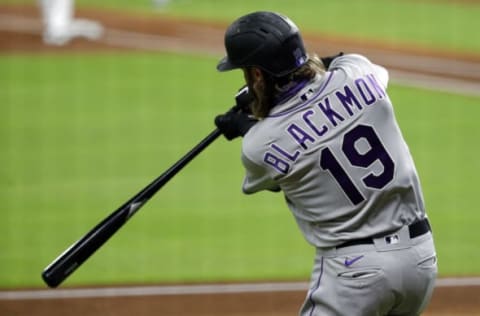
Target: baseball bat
{"x": 72, "y": 258}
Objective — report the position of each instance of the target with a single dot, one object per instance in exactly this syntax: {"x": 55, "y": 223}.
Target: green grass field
{"x": 81, "y": 133}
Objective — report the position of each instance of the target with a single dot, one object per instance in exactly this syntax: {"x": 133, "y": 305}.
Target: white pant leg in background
{"x": 60, "y": 25}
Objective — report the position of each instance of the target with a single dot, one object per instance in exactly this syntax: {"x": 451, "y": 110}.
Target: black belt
{"x": 416, "y": 229}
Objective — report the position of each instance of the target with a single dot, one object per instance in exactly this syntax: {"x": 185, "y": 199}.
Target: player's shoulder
{"x": 346, "y": 59}
{"x": 351, "y": 63}
{"x": 355, "y": 65}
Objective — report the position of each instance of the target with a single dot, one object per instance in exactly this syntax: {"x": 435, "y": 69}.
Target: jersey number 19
{"x": 376, "y": 152}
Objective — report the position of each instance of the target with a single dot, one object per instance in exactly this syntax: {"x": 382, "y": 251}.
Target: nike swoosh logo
{"x": 349, "y": 262}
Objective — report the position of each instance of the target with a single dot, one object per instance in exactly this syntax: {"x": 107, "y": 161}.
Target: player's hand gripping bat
{"x": 80, "y": 251}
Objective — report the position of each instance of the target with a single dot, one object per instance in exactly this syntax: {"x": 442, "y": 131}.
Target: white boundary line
{"x": 160, "y": 290}
{"x": 436, "y": 83}
{"x": 200, "y": 289}
{"x": 155, "y": 42}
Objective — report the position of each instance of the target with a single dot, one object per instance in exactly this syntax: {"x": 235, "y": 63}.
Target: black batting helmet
{"x": 266, "y": 40}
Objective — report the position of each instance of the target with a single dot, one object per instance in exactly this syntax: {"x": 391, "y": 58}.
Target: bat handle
{"x": 182, "y": 162}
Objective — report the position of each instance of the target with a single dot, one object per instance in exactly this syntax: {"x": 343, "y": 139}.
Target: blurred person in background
{"x": 60, "y": 25}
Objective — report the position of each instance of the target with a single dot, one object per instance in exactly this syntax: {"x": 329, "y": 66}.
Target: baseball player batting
{"x": 323, "y": 132}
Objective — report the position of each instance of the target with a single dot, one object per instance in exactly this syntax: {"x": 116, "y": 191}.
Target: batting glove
{"x": 234, "y": 124}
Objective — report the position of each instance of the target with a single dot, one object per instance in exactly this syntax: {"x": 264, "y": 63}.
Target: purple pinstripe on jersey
{"x": 325, "y": 84}
{"x": 310, "y": 298}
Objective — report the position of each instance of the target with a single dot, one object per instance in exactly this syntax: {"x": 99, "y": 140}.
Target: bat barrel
{"x": 79, "y": 252}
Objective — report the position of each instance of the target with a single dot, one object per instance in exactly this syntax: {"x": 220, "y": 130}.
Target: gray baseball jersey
{"x": 336, "y": 151}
